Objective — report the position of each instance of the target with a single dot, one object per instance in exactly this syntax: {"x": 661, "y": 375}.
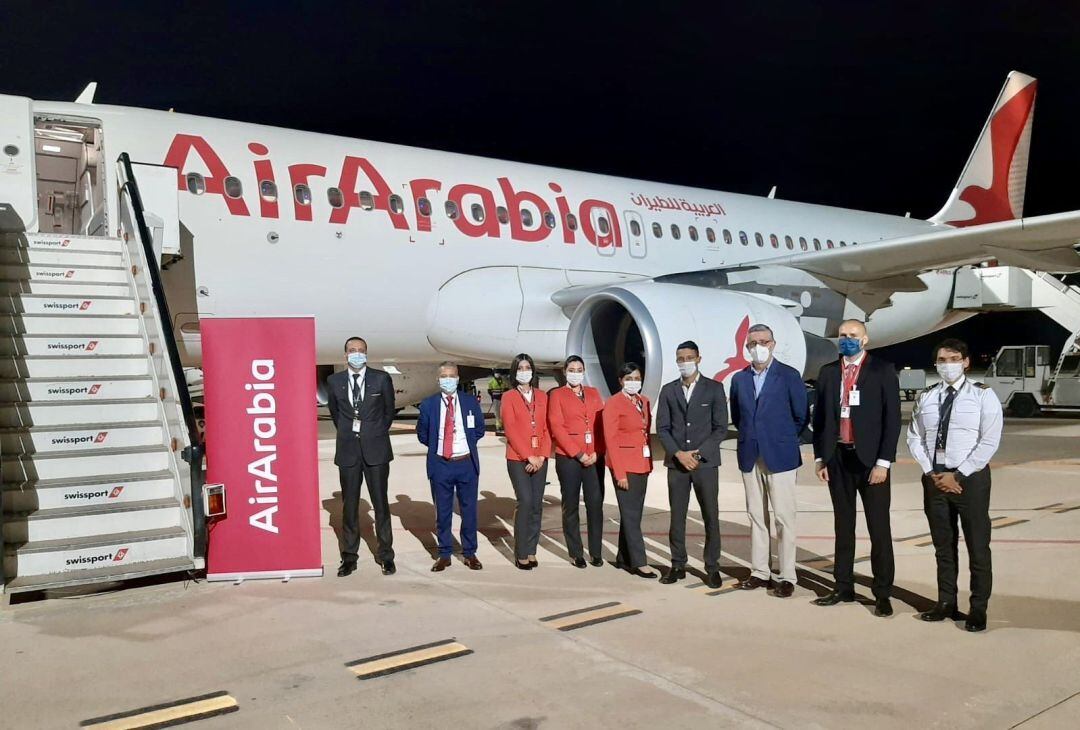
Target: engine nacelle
{"x": 644, "y": 322}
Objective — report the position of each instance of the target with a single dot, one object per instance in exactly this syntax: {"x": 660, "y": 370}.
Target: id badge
{"x": 939, "y": 457}
{"x": 470, "y": 421}
{"x": 845, "y": 412}
{"x": 853, "y": 397}
{"x": 536, "y": 442}
{"x": 356, "y": 425}
{"x": 645, "y": 451}
{"x": 588, "y": 437}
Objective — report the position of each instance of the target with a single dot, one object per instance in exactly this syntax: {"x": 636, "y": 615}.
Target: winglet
{"x": 991, "y": 187}
{"x": 87, "y": 95}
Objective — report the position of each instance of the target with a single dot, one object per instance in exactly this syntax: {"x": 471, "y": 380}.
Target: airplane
{"x": 432, "y": 255}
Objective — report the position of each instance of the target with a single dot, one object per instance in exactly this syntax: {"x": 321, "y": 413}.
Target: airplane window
{"x": 711, "y": 235}
{"x": 603, "y": 225}
{"x": 451, "y": 210}
{"x": 302, "y": 193}
{"x": 549, "y": 220}
{"x": 842, "y": 244}
{"x": 396, "y": 204}
{"x": 675, "y": 233}
{"x": 774, "y": 241}
{"x": 196, "y": 183}
{"x": 635, "y": 228}
{"x": 268, "y": 191}
{"x": 336, "y": 199}
{"x": 367, "y": 200}
{"x": 502, "y": 215}
{"x": 727, "y": 236}
{"x": 693, "y": 233}
{"x": 526, "y": 218}
{"x": 571, "y": 221}
{"x": 829, "y": 243}
{"x": 233, "y": 187}
{"x": 743, "y": 238}
{"x": 424, "y": 206}
{"x": 477, "y": 212}
{"x": 657, "y": 230}
{"x": 817, "y": 245}
{"x": 758, "y": 239}
{"x": 802, "y": 243}
{"x": 789, "y": 243}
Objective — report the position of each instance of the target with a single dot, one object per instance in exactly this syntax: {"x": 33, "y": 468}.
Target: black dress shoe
{"x": 941, "y": 612}
{"x": 883, "y": 607}
{"x": 579, "y": 562}
{"x": 642, "y": 574}
{"x": 832, "y": 599}
{"x": 976, "y": 621}
{"x": 347, "y": 567}
{"x": 673, "y": 576}
{"x": 523, "y": 566}
{"x": 597, "y": 562}
{"x": 785, "y": 589}
{"x": 715, "y": 580}
{"x": 388, "y": 568}
{"x": 533, "y": 563}
{"x": 752, "y": 583}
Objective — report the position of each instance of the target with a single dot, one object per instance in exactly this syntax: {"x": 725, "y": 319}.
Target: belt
{"x": 456, "y": 458}
{"x": 843, "y": 445}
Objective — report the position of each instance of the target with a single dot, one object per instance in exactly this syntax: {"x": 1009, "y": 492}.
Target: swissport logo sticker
{"x": 89, "y": 561}
{"x": 80, "y": 439}
{"x": 74, "y": 389}
{"x": 70, "y": 346}
{"x": 83, "y": 496}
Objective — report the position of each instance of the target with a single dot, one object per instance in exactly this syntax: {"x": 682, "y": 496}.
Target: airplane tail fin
{"x": 991, "y": 187}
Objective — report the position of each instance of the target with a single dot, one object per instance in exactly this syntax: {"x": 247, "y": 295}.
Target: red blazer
{"x": 517, "y": 421}
{"x": 626, "y": 432}
{"x": 569, "y": 418}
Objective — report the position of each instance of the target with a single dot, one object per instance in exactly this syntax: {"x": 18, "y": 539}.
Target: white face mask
{"x": 575, "y": 379}
{"x": 524, "y": 376}
{"x": 759, "y": 354}
{"x": 686, "y": 369}
{"x": 631, "y": 387}
{"x": 448, "y": 385}
{"x": 357, "y": 360}
{"x": 950, "y": 372}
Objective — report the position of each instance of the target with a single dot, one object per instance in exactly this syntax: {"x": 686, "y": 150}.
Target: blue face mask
{"x": 849, "y": 346}
{"x": 357, "y": 359}
{"x": 448, "y": 385}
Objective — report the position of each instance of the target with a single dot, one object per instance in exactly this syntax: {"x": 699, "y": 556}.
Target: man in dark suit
{"x": 856, "y": 429}
{"x": 450, "y": 424}
{"x": 361, "y": 402}
{"x": 691, "y": 420}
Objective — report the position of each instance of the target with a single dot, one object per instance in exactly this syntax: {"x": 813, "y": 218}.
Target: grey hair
{"x": 760, "y": 328}
{"x": 449, "y": 364}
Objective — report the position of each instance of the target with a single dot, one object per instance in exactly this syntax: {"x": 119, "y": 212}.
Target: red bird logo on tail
{"x": 738, "y": 361}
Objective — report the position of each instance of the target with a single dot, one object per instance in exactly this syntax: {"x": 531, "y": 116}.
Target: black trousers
{"x": 972, "y": 508}
{"x": 631, "y": 506}
{"x": 352, "y": 478}
{"x": 573, "y": 479}
{"x": 705, "y": 481}
{"x": 849, "y": 477}
{"x": 529, "y": 490}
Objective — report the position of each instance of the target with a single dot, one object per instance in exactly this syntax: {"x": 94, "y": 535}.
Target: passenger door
{"x": 635, "y": 234}
{"x": 18, "y": 189}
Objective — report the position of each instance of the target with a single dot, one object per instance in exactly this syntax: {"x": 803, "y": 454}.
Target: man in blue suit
{"x": 768, "y": 407}
{"x": 450, "y": 424}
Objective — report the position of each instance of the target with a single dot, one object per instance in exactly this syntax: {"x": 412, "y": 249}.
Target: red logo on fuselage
{"x": 738, "y": 361}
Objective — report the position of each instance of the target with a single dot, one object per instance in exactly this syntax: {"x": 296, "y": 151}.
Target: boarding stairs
{"x": 1009, "y": 288}
{"x": 95, "y": 441}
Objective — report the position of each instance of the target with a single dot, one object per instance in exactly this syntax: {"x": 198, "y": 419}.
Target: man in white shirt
{"x": 955, "y": 430}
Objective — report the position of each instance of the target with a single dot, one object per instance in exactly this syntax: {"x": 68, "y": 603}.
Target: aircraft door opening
{"x": 635, "y": 234}
{"x": 18, "y": 209}
{"x": 605, "y": 237}
{"x": 70, "y": 174}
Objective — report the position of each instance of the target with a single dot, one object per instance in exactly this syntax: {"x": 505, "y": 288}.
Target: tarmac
{"x": 560, "y": 647}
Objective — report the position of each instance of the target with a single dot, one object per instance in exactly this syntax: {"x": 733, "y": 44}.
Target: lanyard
{"x": 530, "y": 403}
{"x": 846, "y": 385}
{"x": 355, "y": 388}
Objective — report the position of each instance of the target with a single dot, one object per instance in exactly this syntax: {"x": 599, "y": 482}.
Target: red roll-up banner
{"x": 261, "y": 442}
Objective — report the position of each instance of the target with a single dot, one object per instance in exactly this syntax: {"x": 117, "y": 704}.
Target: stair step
{"x": 76, "y": 522}
{"x": 20, "y": 390}
{"x": 109, "y": 489}
{"x": 74, "y": 305}
{"x": 58, "y": 257}
{"x": 71, "y": 274}
{"x": 62, "y": 242}
{"x": 73, "y": 366}
{"x": 60, "y": 413}
{"x": 72, "y": 345}
{"x": 85, "y": 463}
{"x": 52, "y": 324}
{"x": 112, "y": 554}
{"x": 63, "y": 288}
{"x": 98, "y": 575}
{"x": 22, "y": 441}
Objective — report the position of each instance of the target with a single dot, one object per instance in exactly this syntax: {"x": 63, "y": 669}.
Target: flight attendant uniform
{"x": 525, "y": 422}
{"x": 627, "y": 419}
{"x": 574, "y": 422}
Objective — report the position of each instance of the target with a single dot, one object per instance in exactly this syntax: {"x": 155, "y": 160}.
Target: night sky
{"x": 850, "y": 105}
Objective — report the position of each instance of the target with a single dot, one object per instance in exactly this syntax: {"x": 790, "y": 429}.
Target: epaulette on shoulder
{"x": 977, "y": 384}
{"x": 926, "y": 390}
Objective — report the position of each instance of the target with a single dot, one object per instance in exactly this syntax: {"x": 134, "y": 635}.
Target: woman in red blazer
{"x": 574, "y": 413}
{"x": 528, "y": 446}
{"x": 627, "y": 418}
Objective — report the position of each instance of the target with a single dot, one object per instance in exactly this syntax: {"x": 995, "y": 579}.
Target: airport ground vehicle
{"x": 912, "y": 380}
{"x": 1027, "y": 382}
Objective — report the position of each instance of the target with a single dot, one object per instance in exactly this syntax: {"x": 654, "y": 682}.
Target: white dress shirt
{"x": 974, "y": 427}
{"x": 460, "y": 445}
{"x": 362, "y": 372}
{"x": 688, "y": 390}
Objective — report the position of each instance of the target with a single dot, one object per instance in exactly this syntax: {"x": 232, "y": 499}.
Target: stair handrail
{"x": 193, "y": 453}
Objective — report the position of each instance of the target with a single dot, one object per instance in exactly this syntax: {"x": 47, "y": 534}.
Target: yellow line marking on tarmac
{"x": 582, "y": 617}
{"x": 168, "y": 714}
{"x": 818, "y": 563}
{"x": 381, "y": 665}
{"x": 998, "y": 522}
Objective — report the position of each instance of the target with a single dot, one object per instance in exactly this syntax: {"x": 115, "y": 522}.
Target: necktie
{"x": 847, "y": 427}
{"x": 356, "y": 399}
{"x": 448, "y": 430}
{"x": 943, "y": 425}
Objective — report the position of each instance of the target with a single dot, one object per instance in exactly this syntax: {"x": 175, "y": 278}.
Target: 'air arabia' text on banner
{"x": 261, "y": 442}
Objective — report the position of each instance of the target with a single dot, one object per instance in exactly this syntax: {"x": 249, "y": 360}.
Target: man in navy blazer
{"x": 450, "y": 424}
{"x": 768, "y": 407}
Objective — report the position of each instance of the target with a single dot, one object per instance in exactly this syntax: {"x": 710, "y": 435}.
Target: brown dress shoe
{"x": 473, "y": 563}
{"x": 751, "y": 583}
{"x": 785, "y": 589}
{"x": 440, "y": 565}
